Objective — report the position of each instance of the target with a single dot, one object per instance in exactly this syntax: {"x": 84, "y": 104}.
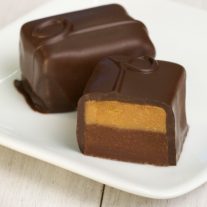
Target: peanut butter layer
{"x": 125, "y": 115}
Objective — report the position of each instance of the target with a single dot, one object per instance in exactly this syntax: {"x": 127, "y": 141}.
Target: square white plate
{"x": 180, "y": 34}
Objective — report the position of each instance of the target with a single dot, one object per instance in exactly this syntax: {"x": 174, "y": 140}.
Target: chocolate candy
{"x": 58, "y": 54}
{"x": 134, "y": 110}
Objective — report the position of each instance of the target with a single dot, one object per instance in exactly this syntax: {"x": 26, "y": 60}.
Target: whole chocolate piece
{"x": 134, "y": 110}
{"x": 58, "y": 53}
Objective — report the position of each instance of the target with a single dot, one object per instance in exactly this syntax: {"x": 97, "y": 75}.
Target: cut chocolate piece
{"x": 58, "y": 54}
{"x": 134, "y": 110}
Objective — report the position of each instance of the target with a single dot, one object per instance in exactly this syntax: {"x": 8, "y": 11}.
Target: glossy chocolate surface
{"x": 58, "y": 53}
{"x": 140, "y": 80}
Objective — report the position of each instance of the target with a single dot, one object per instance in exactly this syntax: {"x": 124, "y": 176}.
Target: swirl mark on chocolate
{"x": 52, "y": 31}
{"x": 144, "y": 65}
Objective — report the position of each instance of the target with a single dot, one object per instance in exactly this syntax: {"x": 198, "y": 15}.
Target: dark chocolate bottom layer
{"x": 126, "y": 145}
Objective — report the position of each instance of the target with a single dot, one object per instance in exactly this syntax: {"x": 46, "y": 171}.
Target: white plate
{"x": 180, "y": 34}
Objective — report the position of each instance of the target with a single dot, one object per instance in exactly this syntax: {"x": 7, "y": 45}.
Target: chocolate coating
{"x": 144, "y": 81}
{"x": 58, "y": 53}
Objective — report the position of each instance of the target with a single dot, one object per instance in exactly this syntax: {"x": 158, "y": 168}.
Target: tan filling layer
{"x": 126, "y": 115}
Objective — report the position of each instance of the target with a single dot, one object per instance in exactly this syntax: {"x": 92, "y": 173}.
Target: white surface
{"x": 59, "y": 147}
